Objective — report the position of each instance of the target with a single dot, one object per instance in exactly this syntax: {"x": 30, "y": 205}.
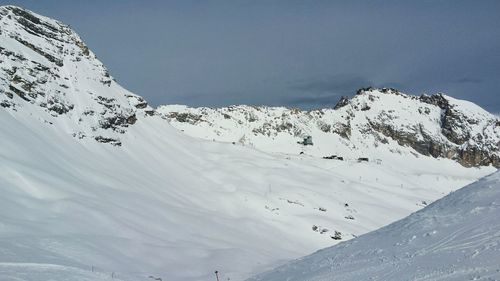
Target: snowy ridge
{"x": 455, "y": 238}
{"x": 158, "y": 202}
{"x": 370, "y": 124}
{"x": 47, "y": 69}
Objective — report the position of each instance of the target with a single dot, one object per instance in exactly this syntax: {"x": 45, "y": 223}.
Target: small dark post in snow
{"x": 92, "y": 269}
{"x": 112, "y": 275}
{"x": 217, "y": 275}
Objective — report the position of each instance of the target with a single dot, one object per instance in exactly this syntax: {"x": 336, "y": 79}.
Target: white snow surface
{"x": 455, "y": 238}
{"x": 155, "y": 202}
{"x": 51, "y": 272}
{"x": 167, "y": 205}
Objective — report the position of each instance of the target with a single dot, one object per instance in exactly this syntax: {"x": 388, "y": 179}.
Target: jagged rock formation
{"x": 45, "y": 66}
{"x": 374, "y": 119}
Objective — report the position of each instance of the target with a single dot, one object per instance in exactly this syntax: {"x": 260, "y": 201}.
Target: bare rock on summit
{"x": 371, "y": 121}
{"x": 46, "y": 68}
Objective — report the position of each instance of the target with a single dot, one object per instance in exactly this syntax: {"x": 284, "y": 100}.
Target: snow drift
{"x": 455, "y": 238}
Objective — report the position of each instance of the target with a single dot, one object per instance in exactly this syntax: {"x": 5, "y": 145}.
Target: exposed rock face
{"x": 342, "y": 102}
{"x": 46, "y": 67}
{"x": 466, "y": 134}
{"x": 185, "y": 117}
{"x": 471, "y": 137}
{"x": 437, "y": 126}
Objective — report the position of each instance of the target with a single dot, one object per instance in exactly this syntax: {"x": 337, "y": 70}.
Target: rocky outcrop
{"x": 46, "y": 65}
{"x": 343, "y": 101}
{"x": 457, "y": 128}
{"x": 435, "y": 126}
{"x": 186, "y": 117}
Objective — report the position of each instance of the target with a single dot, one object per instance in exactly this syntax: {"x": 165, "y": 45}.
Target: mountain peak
{"x": 48, "y": 71}
{"x": 19, "y": 22}
{"x": 374, "y": 122}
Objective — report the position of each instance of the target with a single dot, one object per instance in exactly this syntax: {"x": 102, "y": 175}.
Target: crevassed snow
{"x": 455, "y": 238}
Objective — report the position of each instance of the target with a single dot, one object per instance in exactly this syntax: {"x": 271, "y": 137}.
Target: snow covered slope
{"x": 455, "y": 238}
{"x": 90, "y": 176}
{"x": 373, "y": 123}
{"x": 163, "y": 202}
{"x": 37, "y": 272}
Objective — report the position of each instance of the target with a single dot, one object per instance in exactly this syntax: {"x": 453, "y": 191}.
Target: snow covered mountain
{"x": 455, "y": 238}
{"x": 372, "y": 123}
{"x": 45, "y": 67}
{"x": 96, "y": 184}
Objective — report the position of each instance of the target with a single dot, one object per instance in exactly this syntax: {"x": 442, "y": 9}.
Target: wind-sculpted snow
{"x": 159, "y": 203}
{"x": 455, "y": 238}
{"x": 372, "y": 123}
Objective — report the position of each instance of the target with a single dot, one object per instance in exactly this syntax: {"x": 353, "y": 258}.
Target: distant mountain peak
{"x": 372, "y": 122}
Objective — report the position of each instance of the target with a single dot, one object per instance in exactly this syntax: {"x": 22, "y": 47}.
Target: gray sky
{"x": 293, "y": 53}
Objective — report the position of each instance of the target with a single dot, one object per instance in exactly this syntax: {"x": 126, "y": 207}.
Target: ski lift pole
{"x": 217, "y": 275}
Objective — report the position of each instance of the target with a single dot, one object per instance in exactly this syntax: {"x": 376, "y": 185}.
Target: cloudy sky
{"x": 294, "y": 53}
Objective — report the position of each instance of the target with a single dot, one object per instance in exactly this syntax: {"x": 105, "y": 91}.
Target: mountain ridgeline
{"x": 46, "y": 67}
{"x": 438, "y": 126}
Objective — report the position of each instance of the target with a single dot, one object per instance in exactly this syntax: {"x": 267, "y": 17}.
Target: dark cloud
{"x": 340, "y": 84}
{"x": 217, "y": 53}
{"x": 324, "y": 91}
{"x": 468, "y": 80}
{"x": 314, "y": 102}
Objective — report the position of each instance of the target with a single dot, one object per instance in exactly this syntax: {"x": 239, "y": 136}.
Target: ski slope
{"x": 455, "y": 238}
{"x": 92, "y": 177}
{"x": 164, "y": 201}
{"x": 37, "y": 272}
